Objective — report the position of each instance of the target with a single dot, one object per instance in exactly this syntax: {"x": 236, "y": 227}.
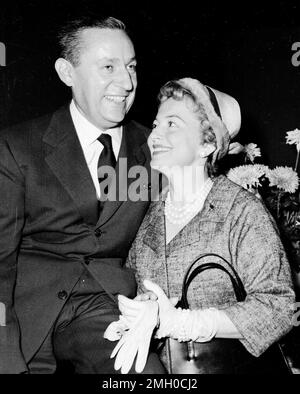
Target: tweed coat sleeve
{"x": 236, "y": 225}
{"x": 11, "y": 222}
{"x": 258, "y": 255}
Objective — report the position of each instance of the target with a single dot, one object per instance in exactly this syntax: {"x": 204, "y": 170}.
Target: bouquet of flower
{"x": 279, "y": 189}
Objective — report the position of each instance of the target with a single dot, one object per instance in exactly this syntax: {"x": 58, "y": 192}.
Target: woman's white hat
{"x": 222, "y": 110}
{"x": 230, "y": 111}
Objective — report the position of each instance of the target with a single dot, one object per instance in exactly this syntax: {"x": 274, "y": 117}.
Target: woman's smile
{"x": 160, "y": 149}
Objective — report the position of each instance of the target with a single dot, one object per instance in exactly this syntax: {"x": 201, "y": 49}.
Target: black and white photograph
{"x": 149, "y": 190}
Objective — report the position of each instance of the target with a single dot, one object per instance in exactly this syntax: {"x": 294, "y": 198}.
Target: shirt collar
{"x": 86, "y": 131}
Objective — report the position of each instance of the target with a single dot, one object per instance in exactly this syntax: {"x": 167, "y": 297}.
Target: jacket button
{"x": 87, "y": 260}
{"x": 98, "y": 232}
{"x": 62, "y": 295}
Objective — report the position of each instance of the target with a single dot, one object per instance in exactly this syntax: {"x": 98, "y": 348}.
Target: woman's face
{"x": 176, "y": 135}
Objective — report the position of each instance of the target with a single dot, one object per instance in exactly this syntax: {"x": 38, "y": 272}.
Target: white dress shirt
{"x": 92, "y": 148}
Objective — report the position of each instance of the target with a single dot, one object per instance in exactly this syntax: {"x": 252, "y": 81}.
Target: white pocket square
{"x": 2, "y": 314}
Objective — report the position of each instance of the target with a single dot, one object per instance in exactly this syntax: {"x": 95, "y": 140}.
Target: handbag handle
{"x": 191, "y": 273}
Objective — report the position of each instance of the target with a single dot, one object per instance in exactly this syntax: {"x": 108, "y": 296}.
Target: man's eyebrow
{"x": 133, "y": 59}
{"x": 115, "y": 59}
{"x": 107, "y": 59}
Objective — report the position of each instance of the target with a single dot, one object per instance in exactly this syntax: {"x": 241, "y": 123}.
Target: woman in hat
{"x": 202, "y": 213}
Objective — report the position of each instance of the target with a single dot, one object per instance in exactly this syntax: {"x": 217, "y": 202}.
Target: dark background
{"x": 241, "y": 48}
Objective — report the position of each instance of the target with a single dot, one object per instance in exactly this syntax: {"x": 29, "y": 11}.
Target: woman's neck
{"x": 185, "y": 183}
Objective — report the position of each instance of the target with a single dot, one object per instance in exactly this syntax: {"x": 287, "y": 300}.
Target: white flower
{"x": 247, "y": 176}
{"x": 284, "y": 178}
{"x": 293, "y": 137}
{"x": 252, "y": 151}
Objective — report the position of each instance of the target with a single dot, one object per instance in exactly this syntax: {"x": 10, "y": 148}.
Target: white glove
{"x": 116, "y": 329}
{"x": 183, "y": 324}
{"x": 142, "y": 317}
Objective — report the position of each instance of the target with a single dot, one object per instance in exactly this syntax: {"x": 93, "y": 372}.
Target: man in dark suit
{"x": 62, "y": 250}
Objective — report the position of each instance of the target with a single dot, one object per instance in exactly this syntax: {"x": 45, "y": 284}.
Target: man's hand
{"x": 143, "y": 317}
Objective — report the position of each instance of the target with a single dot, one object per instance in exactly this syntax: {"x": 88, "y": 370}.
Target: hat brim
{"x": 230, "y": 112}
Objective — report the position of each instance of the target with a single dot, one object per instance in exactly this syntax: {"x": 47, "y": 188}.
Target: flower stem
{"x": 278, "y": 204}
{"x": 297, "y": 160}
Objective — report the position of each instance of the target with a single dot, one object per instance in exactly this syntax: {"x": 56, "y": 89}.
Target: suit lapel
{"x": 65, "y": 158}
{"x": 133, "y": 151}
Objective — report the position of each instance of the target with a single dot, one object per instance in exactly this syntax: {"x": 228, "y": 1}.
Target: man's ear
{"x": 64, "y": 70}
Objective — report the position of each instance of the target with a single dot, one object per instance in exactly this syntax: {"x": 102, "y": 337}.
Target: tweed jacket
{"x": 236, "y": 225}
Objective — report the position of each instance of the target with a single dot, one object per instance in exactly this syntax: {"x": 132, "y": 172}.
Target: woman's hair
{"x": 175, "y": 90}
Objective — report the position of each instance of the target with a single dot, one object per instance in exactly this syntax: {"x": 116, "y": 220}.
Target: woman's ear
{"x": 206, "y": 149}
{"x": 64, "y": 70}
{"x": 205, "y": 124}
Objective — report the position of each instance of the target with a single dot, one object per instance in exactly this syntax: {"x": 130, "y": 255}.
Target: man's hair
{"x": 69, "y": 35}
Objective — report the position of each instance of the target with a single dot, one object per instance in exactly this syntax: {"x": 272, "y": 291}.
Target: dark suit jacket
{"x": 50, "y": 229}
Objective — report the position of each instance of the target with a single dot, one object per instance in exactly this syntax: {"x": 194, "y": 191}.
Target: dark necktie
{"x": 107, "y": 158}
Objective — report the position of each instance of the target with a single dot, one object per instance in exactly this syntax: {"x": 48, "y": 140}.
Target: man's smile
{"x": 116, "y": 99}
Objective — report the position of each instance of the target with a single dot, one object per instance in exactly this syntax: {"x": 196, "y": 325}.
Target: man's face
{"x": 104, "y": 82}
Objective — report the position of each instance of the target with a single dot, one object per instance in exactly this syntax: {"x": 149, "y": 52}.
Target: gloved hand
{"x": 149, "y": 295}
{"x": 142, "y": 317}
{"x": 183, "y": 324}
{"x": 116, "y": 329}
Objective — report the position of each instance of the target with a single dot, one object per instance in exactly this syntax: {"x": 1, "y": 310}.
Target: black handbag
{"x": 221, "y": 356}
